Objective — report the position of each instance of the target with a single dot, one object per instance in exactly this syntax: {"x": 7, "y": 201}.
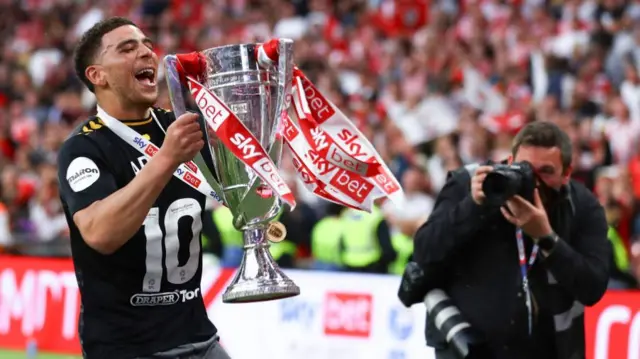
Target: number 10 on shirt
{"x": 170, "y": 242}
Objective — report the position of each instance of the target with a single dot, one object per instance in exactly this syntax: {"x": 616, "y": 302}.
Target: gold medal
{"x": 276, "y": 232}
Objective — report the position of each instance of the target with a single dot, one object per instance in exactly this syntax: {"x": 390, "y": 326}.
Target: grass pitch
{"x": 10, "y": 354}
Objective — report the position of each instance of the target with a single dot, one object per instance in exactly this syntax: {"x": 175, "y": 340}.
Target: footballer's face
{"x": 128, "y": 65}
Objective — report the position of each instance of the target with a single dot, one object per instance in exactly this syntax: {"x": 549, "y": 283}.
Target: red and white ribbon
{"x": 331, "y": 156}
{"x": 335, "y": 140}
{"x": 337, "y": 126}
{"x": 322, "y": 142}
{"x": 321, "y": 177}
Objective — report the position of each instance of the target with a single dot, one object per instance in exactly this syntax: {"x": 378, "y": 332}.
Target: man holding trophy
{"x": 127, "y": 213}
{"x": 134, "y": 181}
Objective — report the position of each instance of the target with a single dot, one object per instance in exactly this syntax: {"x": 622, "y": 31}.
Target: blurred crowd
{"x": 434, "y": 84}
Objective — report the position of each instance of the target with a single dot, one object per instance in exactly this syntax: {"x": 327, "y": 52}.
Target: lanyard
{"x": 524, "y": 268}
{"x": 187, "y": 172}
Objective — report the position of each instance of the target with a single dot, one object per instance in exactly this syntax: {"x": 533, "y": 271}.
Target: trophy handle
{"x": 178, "y": 104}
{"x": 285, "y": 80}
{"x": 174, "y": 85}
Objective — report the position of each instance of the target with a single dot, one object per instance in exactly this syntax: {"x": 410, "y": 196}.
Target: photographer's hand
{"x": 532, "y": 218}
{"x": 476, "y": 184}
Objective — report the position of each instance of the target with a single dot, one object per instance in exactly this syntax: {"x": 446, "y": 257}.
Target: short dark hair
{"x": 90, "y": 42}
{"x": 544, "y": 134}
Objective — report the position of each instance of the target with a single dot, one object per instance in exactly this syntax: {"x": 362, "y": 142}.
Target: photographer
{"x": 477, "y": 248}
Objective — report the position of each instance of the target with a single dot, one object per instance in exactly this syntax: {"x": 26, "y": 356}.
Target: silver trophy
{"x": 259, "y": 97}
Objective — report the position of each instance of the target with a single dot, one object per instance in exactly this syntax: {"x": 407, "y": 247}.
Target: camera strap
{"x": 524, "y": 269}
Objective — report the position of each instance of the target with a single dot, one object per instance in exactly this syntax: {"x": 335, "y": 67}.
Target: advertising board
{"x": 338, "y": 315}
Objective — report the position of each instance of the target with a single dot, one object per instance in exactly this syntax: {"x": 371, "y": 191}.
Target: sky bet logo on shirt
{"x": 140, "y": 142}
{"x": 151, "y": 150}
{"x": 191, "y": 179}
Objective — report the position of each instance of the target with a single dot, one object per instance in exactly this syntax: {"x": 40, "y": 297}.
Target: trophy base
{"x": 237, "y": 294}
{"x": 258, "y": 278}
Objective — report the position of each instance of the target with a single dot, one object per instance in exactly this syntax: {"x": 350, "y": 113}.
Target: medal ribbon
{"x": 187, "y": 172}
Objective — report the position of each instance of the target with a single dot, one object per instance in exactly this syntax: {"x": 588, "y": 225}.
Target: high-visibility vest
{"x": 360, "y": 237}
{"x": 620, "y": 255}
{"x": 325, "y": 240}
{"x": 403, "y": 246}
{"x": 231, "y": 238}
{"x": 229, "y": 235}
{"x": 281, "y": 248}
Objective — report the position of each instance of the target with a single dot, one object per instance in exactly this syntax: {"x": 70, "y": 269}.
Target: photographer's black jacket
{"x": 470, "y": 252}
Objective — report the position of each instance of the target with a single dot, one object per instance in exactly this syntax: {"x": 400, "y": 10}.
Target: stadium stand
{"x": 435, "y": 85}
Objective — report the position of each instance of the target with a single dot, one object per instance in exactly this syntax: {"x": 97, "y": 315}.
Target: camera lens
{"x": 500, "y": 185}
{"x": 449, "y": 321}
{"x": 494, "y": 184}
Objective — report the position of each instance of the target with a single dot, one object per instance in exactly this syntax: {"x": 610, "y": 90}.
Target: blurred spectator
{"x": 418, "y": 203}
{"x": 434, "y": 84}
{"x": 621, "y": 270}
{"x": 46, "y": 209}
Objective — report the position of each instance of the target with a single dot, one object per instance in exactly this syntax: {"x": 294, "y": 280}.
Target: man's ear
{"x": 95, "y": 75}
{"x": 566, "y": 176}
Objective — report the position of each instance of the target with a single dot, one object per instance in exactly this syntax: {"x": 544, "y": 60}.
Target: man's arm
{"x": 582, "y": 268}
{"x": 454, "y": 220}
{"x": 107, "y": 217}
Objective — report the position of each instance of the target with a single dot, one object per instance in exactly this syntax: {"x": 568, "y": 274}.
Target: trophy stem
{"x": 258, "y": 278}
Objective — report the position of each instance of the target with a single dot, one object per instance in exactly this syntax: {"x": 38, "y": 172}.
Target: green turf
{"x": 9, "y": 354}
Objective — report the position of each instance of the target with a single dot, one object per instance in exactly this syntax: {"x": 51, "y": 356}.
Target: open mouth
{"x": 146, "y": 76}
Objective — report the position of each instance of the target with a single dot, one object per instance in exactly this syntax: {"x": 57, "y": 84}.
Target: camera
{"x": 412, "y": 285}
{"x": 506, "y": 181}
{"x": 458, "y": 333}
{"x": 464, "y": 340}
